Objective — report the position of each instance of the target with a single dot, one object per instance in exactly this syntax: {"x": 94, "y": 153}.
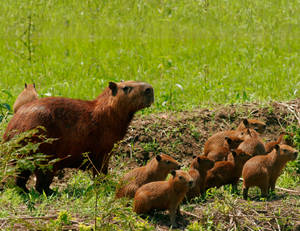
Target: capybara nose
{"x": 178, "y": 167}
{"x": 191, "y": 182}
{"x": 295, "y": 154}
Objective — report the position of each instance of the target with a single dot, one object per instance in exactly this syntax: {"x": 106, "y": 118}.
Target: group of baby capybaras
{"x": 228, "y": 155}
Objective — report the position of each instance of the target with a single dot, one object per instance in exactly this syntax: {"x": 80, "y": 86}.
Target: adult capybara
{"x": 252, "y": 144}
{"x": 156, "y": 170}
{"x": 220, "y": 153}
{"x": 80, "y": 126}
{"x": 198, "y": 171}
{"x": 227, "y": 172}
{"x": 29, "y": 94}
{"x": 163, "y": 195}
{"x": 263, "y": 171}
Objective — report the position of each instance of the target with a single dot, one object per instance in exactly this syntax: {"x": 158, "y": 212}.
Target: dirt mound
{"x": 183, "y": 134}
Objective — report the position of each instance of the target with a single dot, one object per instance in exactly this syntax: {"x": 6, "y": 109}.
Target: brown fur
{"x": 156, "y": 170}
{"x": 271, "y": 145}
{"x": 198, "y": 171}
{"x": 253, "y": 144}
{"x": 29, "y": 94}
{"x": 163, "y": 195}
{"x": 218, "y": 147}
{"x": 80, "y": 126}
{"x": 263, "y": 171}
{"x": 254, "y": 124}
{"x": 227, "y": 172}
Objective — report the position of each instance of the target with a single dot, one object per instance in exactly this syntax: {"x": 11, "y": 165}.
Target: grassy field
{"x": 194, "y": 52}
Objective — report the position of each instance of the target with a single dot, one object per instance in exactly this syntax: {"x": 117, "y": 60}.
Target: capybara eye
{"x": 127, "y": 89}
{"x": 148, "y": 91}
{"x": 180, "y": 177}
{"x": 168, "y": 162}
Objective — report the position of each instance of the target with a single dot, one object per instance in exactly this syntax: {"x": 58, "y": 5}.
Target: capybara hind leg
{"x": 43, "y": 181}
{"x": 264, "y": 191}
{"x": 22, "y": 178}
{"x": 245, "y": 192}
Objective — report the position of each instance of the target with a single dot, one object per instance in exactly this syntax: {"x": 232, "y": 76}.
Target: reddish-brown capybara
{"x": 256, "y": 125}
{"x": 271, "y": 145}
{"x": 214, "y": 146}
{"x": 227, "y": 172}
{"x": 163, "y": 195}
{"x": 252, "y": 144}
{"x": 220, "y": 153}
{"x": 156, "y": 170}
{"x": 29, "y": 94}
{"x": 80, "y": 126}
{"x": 198, "y": 171}
{"x": 263, "y": 171}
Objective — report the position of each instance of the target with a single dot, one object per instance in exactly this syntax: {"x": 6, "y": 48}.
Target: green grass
{"x": 194, "y": 52}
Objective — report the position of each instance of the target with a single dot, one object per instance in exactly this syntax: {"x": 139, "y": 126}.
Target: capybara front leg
{"x": 173, "y": 217}
{"x": 22, "y": 178}
{"x": 264, "y": 191}
{"x": 43, "y": 181}
{"x": 245, "y": 192}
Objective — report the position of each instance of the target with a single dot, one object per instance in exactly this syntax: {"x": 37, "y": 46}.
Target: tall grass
{"x": 194, "y": 52}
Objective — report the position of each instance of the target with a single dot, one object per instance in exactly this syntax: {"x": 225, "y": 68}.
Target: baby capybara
{"x": 216, "y": 143}
{"x": 163, "y": 195}
{"x": 227, "y": 172}
{"x": 79, "y": 126}
{"x": 156, "y": 170}
{"x": 252, "y": 144}
{"x": 271, "y": 145}
{"x": 256, "y": 125}
{"x": 220, "y": 153}
{"x": 263, "y": 171}
{"x": 198, "y": 171}
{"x": 29, "y": 94}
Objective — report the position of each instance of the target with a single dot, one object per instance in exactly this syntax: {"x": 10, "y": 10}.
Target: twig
{"x": 191, "y": 214}
{"x": 277, "y": 224}
{"x": 288, "y": 190}
{"x": 29, "y": 218}
{"x": 291, "y": 109}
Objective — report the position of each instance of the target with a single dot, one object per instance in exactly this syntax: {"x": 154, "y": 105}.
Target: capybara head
{"x": 234, "y": 142}
{"x": 30, "y": 86}
{"x": 166, "y": 162}
{"x": 182, "y": 178}
{"x": 202, "y": 163}
{"x": 133, "y": 95}
{"x": 240, "y": 156}
{"x": 254, "y": 124}
{"x": 286, "y": 152}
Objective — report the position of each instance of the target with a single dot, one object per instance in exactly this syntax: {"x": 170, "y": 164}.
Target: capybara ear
{"x": 158, "y": 158}
{"x": 229, "y": 141}
{"x": 194, "y": 156}
{"x": 249, "y": 132}
{"x": 246, "y": 123}
{"x": 25, "y": 85}
{"x": 277, "y": 147}
{"x": 233, "y": 154}
{"x": 113, "y": 87}
{"x": 173, "y": 173}
{"x": 198, "y": 160}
